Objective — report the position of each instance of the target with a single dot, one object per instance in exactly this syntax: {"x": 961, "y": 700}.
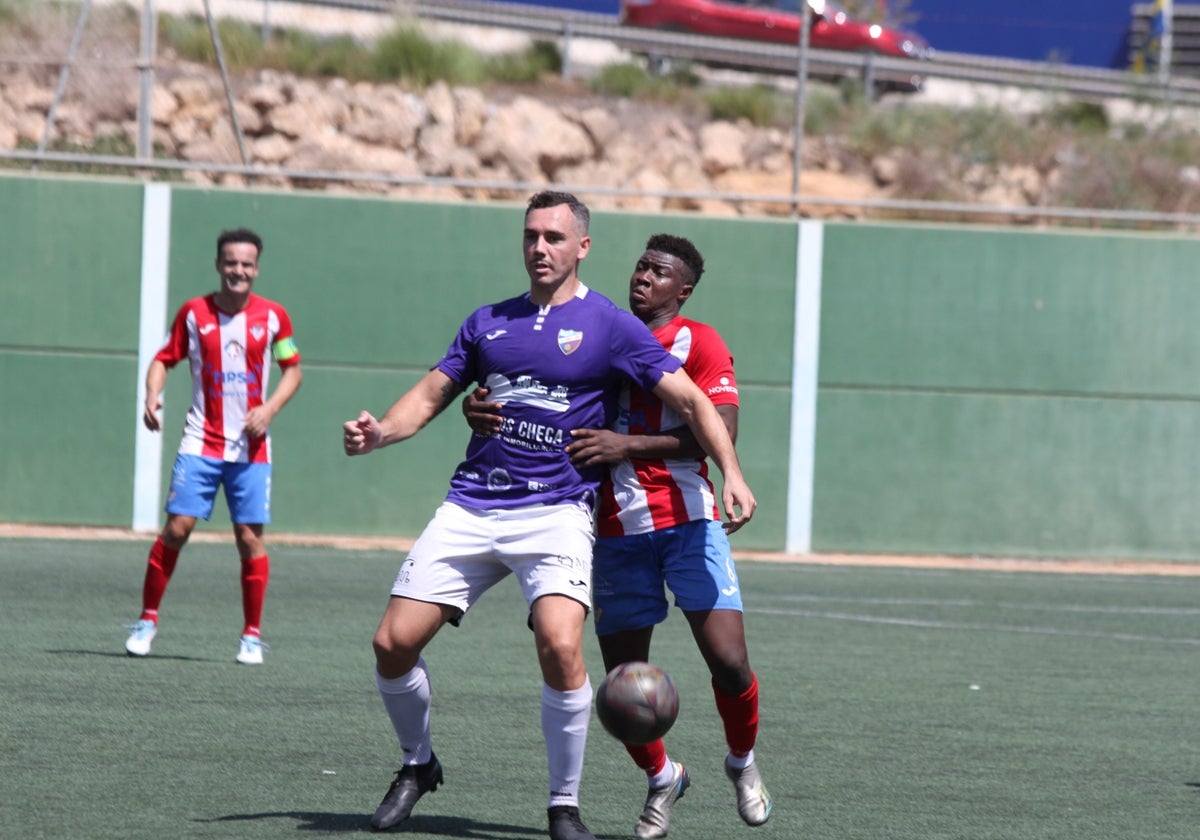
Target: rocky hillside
{"x": 961, "y": 147}
{"x": 458, "y": 142}
{"x": 412, "y": 142}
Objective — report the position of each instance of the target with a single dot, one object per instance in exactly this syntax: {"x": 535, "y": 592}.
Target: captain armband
{"x": 285, "y": 349}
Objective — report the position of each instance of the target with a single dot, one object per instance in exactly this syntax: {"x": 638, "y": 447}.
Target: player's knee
{"x": 392, "y": 658}
{"x": 249, "y": 540}
{"x": 560, "y": 657}
{"x": 561, "y": 648}
{"x": 176, "y": 532}
{"x": 732, "y": 677}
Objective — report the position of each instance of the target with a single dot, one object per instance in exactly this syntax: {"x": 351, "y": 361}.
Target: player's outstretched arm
{"x": 679, "y": 392}
{"x": 407, "y": 416}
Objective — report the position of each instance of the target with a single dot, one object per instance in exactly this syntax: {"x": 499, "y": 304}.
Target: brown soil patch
{"x": 400, "y": 544}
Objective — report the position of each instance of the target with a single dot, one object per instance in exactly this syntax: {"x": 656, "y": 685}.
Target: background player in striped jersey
{"x": 658, "y": 523}
{"x": 226, "y": 337}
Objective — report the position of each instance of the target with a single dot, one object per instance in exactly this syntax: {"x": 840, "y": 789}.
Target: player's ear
{"x": 685, "y": 292}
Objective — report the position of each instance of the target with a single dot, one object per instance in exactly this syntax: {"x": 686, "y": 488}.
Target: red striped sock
{"x": 255, "y": 573}
{"x": 159, "y": 567}
{"x": 650, "y": 757}
{"x": 739, "y": 714}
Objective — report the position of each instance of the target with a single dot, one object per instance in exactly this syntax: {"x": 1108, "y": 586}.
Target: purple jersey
{"x": 554, "y": 368}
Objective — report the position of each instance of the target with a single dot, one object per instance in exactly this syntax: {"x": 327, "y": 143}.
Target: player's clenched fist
{"x": 362, "y": 435}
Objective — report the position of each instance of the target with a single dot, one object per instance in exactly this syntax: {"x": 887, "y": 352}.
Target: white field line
{"x": 987, "y": 628}
{"x": 1003, "y": 605}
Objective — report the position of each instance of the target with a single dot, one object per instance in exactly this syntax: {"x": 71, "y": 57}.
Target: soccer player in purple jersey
{"x": 657, "y": 526}
{"x": 556, "y": 358}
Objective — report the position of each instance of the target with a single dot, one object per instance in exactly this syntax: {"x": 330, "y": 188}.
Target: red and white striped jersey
{"x": 228, "y": 357}
{"x": 644, "y": 495}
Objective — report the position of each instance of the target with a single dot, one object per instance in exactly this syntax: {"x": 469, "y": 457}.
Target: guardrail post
{"x": 869, "y": 77}
{"x": 566, "y": 50}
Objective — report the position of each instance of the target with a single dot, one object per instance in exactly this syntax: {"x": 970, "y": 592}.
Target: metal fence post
{"x": 798, "y": 119}
{"x": 145, "y": 146}
{"x": 63, "y": 75}
{"x": 233, "y": 117}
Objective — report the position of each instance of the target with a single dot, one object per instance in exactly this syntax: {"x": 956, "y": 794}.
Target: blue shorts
{"x": 628, "y": 573}
{"x": 194, "y": 483}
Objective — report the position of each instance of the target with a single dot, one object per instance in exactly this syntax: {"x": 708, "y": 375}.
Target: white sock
{"x": 664, "y": 778}
{"x": 406, "y": 699}
{"x": 565, "y": 717}
{"x": 740, "y": 762}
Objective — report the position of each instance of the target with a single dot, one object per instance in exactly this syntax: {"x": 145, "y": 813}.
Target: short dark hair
{"x": 238, "y": 235}
{"x": 678, "y": 246}
{"x": 553, "y": 198}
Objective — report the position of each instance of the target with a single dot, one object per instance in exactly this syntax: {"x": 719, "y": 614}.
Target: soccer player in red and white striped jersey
{"x": 658, "y": 523}
{"x": 227, "y": 337}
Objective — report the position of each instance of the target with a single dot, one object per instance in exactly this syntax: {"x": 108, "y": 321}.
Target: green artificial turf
{"x": 896, "y": 703}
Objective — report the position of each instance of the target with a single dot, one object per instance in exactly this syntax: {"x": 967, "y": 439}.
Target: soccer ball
{"x": 637, "y": 702}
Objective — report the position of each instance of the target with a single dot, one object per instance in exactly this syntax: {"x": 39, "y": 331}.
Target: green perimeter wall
{"x": 68, "y": 349}
{"x": 375, "y": 289}
{"x": 1003, "y": 392}
{"x": 979, "y": 391}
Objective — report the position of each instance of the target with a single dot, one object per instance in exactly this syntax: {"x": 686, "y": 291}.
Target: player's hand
{"x": 482, "y": 416}
{"x": 257, "y": 420}
{"x": 591, "y": 447}
{"x": 739, "y": 504}
{"x": 362, "y": 435}
{"x": 150, "y": 413}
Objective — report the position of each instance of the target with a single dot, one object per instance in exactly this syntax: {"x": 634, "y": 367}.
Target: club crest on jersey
{"x": 257, "y": 332}
{"x": 234, "y": 349}
{"x": 569, "y": 341}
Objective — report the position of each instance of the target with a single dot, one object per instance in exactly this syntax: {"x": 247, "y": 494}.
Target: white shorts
{"x": 462, "y": 553}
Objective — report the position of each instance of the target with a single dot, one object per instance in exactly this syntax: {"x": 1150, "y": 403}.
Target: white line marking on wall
{"x": 152, "y": 321}
{"x": 806, "y": 343}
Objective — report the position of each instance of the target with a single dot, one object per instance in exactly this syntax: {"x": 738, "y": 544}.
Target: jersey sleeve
{"x": 284, "y": 348}
{"x": 459, "y": 361}
{"x": 175, "y": 346}
{"x": 638, "y": 354}
{"x": 710, "y": 365}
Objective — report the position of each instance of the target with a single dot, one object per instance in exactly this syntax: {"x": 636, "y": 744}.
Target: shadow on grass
{"x": 437, "y": 826}
{"x": 120, "y": 654}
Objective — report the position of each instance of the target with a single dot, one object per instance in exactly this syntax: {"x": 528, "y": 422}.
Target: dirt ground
{"x": 350, "y": 543}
